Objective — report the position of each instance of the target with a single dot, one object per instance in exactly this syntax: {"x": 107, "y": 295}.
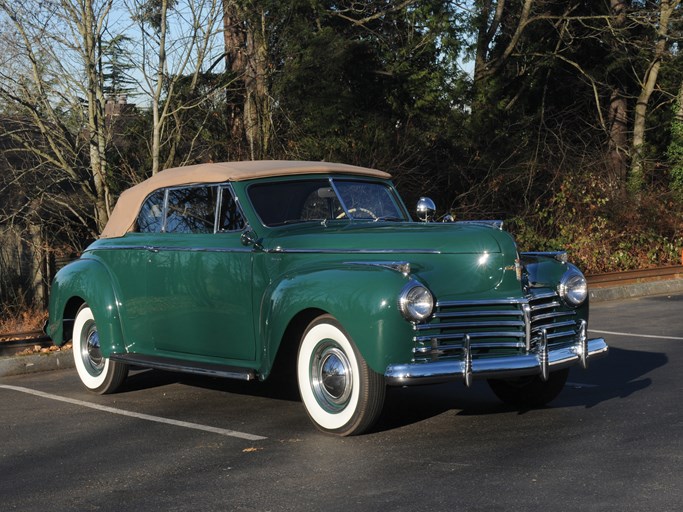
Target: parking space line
{"x": 579, "y": 385}
{"x": 147, "y": 417}
{"x": 654, "y": 336}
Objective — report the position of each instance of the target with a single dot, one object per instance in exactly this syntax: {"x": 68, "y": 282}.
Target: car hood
{"x": 453, "y": 259}
{"x": 370, "y": 237}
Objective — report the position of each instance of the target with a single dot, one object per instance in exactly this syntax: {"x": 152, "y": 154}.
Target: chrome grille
{"x": 495, "y": 327}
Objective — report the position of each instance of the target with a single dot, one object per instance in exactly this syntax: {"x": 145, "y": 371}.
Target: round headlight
{"x": 573, "y": 288}
{"x": 415, "y": 302}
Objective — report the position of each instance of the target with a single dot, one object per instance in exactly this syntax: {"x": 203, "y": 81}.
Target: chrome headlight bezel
{"x": 416, "y": 302}
{"x": 573, "y": 287}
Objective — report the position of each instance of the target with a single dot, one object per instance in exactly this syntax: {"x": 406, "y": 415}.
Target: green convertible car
{"x": 223, "y": 269}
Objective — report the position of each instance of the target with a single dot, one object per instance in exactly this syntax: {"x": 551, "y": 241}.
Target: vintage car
{"x": 222, "y": 269}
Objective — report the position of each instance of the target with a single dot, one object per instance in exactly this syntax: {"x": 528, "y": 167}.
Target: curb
{"x": 631, "y": 291}
{"x": 19, "y": 365}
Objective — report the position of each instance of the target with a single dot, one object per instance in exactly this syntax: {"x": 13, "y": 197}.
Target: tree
{"x": 373, "y": 84}
{"x": 54, "y": 85}
{"x": 117, "y": 67}
{"x": 177, "y": 43}
{"x": 660, "y": 47}
{"x": 247, "y": 28}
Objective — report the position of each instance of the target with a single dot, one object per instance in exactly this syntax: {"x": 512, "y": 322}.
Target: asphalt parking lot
{"x": 611, "y": 441}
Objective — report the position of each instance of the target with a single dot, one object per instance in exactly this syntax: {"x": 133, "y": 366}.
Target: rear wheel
{"x": 529, "y": 391}
{"x": 341, "y": 393}
{"x": 98, "y": 373}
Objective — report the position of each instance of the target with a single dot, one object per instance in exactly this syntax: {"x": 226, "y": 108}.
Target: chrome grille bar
{"x": 522, "y": 324}
{"x": 473, "y": 335}
{"x": 475, "y": 325}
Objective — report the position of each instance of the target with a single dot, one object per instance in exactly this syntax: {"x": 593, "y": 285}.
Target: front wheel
{"x": 341, "y": 393}
{"x": 98, "y": 373}
{"x": 530, "y": 391}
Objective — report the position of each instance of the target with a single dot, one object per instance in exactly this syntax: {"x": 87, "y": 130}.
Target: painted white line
{"x": 633, "y": 335}
{"x": 579, "y": 385}
{"x": 147, "y": 417}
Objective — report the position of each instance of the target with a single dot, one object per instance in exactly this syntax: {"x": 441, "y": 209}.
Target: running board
{"x": 184, "y": 366}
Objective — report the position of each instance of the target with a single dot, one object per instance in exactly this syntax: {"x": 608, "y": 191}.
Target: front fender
{"x": 546, "y": 270}
{"x": 86, "y": 280}
{"x": 363, "y": 299}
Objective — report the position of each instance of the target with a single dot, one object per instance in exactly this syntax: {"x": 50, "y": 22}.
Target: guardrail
{"x": 12, "y": 343}
{"x": 635, "y": 276}
{"x": 25, "y": 335}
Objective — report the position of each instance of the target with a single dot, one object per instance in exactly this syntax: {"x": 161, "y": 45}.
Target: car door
{"x": 199, "y": 278}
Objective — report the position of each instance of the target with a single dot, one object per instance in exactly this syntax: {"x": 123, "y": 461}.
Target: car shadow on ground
{"x": 280, "y": 388}
{"x": 618, "y": 376}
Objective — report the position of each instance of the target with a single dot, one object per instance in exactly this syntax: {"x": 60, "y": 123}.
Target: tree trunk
{"x": 257, "y": 121}
{"x": 618, "y": 135}
{"x": 246, "y": 50}
{"x": 37, "y": 279}
{"x": 636, "y": 177}
{"x": 157, "y": 114}
{"x": 234, "y": 40}
{"x": 96, "y": 121}
{"x": 617, "y": 119}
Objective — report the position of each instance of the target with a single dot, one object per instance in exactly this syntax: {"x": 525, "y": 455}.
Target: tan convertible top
{"x": 126, "y": 211}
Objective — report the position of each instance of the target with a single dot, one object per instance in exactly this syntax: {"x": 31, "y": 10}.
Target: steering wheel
{"x": 353, "y": 210}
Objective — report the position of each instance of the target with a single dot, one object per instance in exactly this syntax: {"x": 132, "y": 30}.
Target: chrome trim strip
{"x": 498, "y": 302}
{"x": 583, "y": 345}
{"x": 526, "y": 309}
{"x": 496, "y": 224}
{"x": 543, "y": 356}
{"x": 456, "y": 325}
{"x": 467, "y": 371}
{"x": 543, "y": 295}
{"x": 354, "y": 251}
{"x": 155, "y": 248}
{"x": 473, "y": 314}
{"x": 555, "y": 325}
{"x": 182, "y": 366}
{"x": 511, "y": 334}
{"x": 399, "y": 266}
{"x": 555, "y": 314}
{"x": 489, "y": 368}
{"x": 442, "y": 349}
{"x": 278, "y": 250}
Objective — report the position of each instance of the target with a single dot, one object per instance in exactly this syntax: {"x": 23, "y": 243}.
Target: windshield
{"x": 286, "y": 202}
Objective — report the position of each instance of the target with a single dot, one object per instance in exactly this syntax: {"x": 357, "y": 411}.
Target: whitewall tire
{"x": 97, "y": 373}
{"x": 341, "y": 393}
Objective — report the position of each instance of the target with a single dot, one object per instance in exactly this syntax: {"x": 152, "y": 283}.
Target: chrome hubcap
{"x": 90, "y": 351}
{"x": 331, "y": 377}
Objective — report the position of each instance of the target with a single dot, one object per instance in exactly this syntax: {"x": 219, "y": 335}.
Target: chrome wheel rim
{"x": 91, "y": 355}
{"x": 331, "y": 377}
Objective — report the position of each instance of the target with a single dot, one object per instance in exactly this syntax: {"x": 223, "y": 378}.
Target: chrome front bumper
{"x": 541, "y": 362}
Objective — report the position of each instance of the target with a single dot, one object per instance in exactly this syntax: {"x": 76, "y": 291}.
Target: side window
{"x": 229, "y": 216}
{"x": 191, "y": 210}
{"x": 151, "y": 217}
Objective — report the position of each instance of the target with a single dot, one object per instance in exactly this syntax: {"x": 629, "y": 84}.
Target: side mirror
{"x": 426, "y": 209}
